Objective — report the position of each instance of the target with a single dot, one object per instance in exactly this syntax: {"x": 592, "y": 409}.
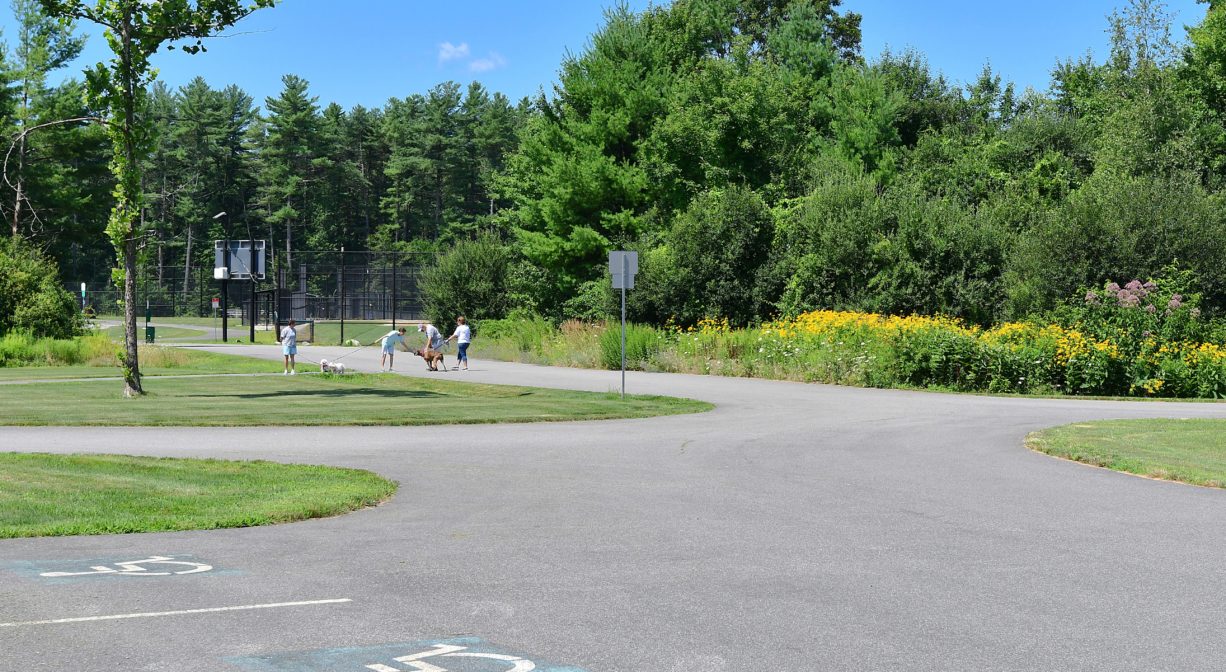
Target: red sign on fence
{"x": 216, "y": 303}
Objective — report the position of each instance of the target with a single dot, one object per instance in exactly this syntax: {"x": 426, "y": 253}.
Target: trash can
{"x": 149, "y": 333}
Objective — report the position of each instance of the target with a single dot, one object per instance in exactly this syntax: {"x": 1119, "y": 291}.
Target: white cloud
{"x": 450, "y": 52}
{"x": 491, "y": 62}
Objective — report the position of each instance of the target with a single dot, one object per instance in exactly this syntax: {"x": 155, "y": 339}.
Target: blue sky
{"x": 1021, "y": 40}
{"x": 366, "y": 51}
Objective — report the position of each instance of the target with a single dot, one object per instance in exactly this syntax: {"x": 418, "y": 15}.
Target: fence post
{"x": 395, "y": 270}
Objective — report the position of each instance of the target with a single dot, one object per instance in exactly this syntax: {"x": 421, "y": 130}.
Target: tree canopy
{"x": 760, "y": 161}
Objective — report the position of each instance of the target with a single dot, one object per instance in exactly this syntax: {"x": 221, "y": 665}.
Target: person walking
{"x": 289, "y": 347}
{"x": 463, "y": 335}
{"x": 390, "y": 340}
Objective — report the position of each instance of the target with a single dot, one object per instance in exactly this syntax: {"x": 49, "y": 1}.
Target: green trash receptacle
{"x": 149, "y": 334}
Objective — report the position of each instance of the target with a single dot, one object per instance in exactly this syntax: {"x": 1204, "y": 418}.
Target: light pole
{"x": 251, "y": 263}
{"x": 225, "y": 277}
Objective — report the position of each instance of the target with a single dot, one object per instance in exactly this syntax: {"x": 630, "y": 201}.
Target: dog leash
{"x": 338, "y": 358}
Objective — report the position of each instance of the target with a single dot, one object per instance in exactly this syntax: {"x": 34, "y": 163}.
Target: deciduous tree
{"x": 135, "y": 30}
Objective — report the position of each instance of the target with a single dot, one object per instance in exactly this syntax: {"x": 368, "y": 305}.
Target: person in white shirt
{"x": 434, "y": 340}
{"x": 289, "y": 347}
{"x": 463, "y": 335}
{"x": 390, "y": 340}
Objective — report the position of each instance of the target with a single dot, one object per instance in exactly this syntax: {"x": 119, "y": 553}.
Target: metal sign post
{"x": 225, "y": 276}
{"x": 623, "y": 266}
{"x": 623, "y": 328}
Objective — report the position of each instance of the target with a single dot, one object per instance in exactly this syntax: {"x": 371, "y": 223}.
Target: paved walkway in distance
{"x": 795, "y": 527}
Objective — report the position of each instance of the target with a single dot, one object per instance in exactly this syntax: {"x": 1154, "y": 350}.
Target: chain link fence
{"x": 342, "y": 295}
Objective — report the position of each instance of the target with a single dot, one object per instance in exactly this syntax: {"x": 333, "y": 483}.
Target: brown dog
{"x": 433, "y": 358}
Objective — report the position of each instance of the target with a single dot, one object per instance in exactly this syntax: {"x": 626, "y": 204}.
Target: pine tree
{"x": 288, "y": 150}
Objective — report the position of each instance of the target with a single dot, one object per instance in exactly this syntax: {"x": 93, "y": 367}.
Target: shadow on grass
{"x": 349, "y": 392}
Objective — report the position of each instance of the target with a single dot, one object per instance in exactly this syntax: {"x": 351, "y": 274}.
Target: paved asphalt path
{"x": 795, "y": 527}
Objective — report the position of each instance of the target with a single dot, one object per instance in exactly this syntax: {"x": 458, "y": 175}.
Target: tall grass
{"x": 18, "y": 349}
{"x": 535, "y": 340}
{"x": 21, "y": 349}
{"x": 870, "y": 350}
{"x": 642, "y": 345}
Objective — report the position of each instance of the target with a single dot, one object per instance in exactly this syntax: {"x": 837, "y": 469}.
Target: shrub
{"x": 31, "y": 298}
{"x": 1119, "y": 226}
{"x": 1165, "y": 308}
{"x": 526, "y": 332}
{"x": 717, "y": 250}
{"x": 594, "y": 302}
{"x": 469, "y": 279}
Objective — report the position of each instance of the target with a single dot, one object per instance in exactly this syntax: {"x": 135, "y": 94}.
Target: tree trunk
{"x": 162, "y": 234}
{"x": 125, "y": 210}
{"x": 131, "y": 365}
{"x": 289, "y": 240}
{"x": 187, "y": 258}
{"x": 21, "y": 169}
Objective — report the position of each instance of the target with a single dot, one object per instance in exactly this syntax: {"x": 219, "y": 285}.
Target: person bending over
{"x": 434, "y": 340}
{"x": 390, "y": 340}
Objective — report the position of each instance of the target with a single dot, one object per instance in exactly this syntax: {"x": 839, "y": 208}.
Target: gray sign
{"x": 623, "y": 266}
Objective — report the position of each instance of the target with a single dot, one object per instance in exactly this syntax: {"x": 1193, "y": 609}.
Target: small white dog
{"x": 331, "y": 367}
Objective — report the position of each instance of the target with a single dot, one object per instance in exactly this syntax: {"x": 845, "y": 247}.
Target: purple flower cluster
{"x": 1137, "y": 294}
{"x": 1131, "y": 295}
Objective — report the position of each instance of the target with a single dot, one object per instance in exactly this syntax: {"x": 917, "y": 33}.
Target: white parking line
{"x": 152, "y": 614}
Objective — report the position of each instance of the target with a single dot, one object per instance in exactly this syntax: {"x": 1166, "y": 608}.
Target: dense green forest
{"x": 759, "y": 162}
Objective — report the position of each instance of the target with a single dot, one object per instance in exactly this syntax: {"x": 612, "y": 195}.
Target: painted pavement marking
{"x": 137, "y": 568}
{"x": 457, "y": 654}
{"x": 64, "y": 571}
{"x": 448, "y": 651}
{"x": 155, "y": 614}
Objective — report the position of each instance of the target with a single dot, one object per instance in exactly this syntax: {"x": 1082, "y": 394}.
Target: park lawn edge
{"x": 397, "y": 423}
{"x": 1041, "y": 442}
{"x": 575, "y": 405}
{"x": 370, "y": 490}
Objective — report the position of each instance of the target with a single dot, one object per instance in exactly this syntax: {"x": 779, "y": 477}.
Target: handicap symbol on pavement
{"x": 137, "y": 568}
{"x": 456, "y": 654}
{"x": 415, "y": 662}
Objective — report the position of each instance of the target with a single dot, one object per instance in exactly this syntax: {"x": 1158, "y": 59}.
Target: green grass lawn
{"x": 187, "y": 321}
{"x": 326, "y": 333}
{"x": 58, "y": 495}
{"x": 1191, "y": 451}
{"x": 117, "y": 332}
{"x": 357, "y": 399}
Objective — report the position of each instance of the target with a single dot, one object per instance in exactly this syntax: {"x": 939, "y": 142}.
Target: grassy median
{"x": 60, "y": 495}
{"x": 1190, "y": 451}
{"x": 356, "y": 399}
